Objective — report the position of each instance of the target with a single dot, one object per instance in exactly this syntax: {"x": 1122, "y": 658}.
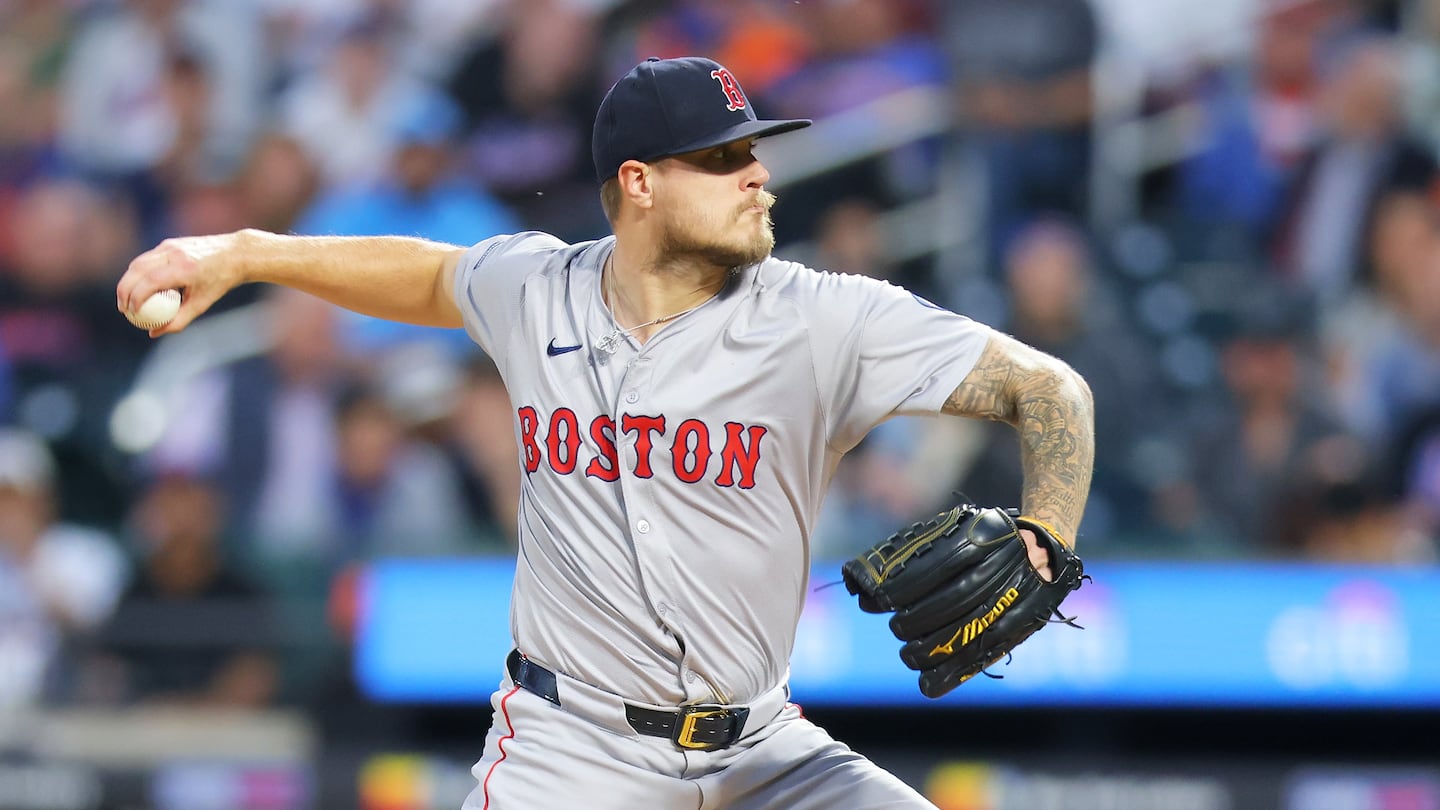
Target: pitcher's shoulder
{"x": 534, "y": 252}
{"x": 796, "y": 280}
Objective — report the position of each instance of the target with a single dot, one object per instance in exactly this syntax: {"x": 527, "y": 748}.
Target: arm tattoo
{"x": 1051, "y": 408}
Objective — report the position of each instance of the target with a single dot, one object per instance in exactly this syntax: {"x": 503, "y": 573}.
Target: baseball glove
{"x": 963, "y": 590}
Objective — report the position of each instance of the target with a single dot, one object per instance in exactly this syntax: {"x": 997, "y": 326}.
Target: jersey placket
{"x": 641, "y": 448}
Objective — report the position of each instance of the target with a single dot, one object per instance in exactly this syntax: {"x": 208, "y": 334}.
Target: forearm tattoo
{"x": 1051, "y": 408}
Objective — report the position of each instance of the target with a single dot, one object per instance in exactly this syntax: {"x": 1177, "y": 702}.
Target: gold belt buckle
{"x": 690, "y": 717}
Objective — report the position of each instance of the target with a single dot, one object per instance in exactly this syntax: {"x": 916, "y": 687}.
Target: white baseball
{"x": 157, "y": 310}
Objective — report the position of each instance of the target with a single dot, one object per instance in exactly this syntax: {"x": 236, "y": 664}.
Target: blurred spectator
{"x": 1059, "y": 306}
{"x": 1341, "y": 511}
{"x": 64, "y": 579}
{"x": 277, "y": 183}
{"x": 78, "y": 572}
{"x": 1362, "y": 154}
{"x": 457, "y": 411}
{"x": 35, "y": 40}
{"x": 1403, "y": 238}
{"x": 118, "y": 115}
{"x": 482, "y": 440}
{"x": 1259, "y": 119}
{"x": 23, "y": 139}
{"x": 1022, "y": 74}
{"x": 71, "y": 356}
{"x": 1274, "y": 429}
{"x": 1399, "y": 375}
{"x": 190, "y": 630}
{"x": 421, "y": 384}
{"x": 29, "y": 641}
{"x": 851, "y": 239}
{"x": 37, "y": 35}
{"x": 529, "y": 96}
{"x": 1404, "y": 241}
{"x": 394, "y": 496}
{"x": 344, "y": 112}
{"x": 264, "y": 429}
{"x": 207, "y": 207}
{"x": 192, "y": 154}
{"x": 420, "y": 195}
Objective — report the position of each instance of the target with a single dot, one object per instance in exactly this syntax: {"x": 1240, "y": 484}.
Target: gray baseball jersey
{"x": 670, "y": 488}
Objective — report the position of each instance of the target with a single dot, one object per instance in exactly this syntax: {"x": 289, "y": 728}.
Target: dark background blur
{"x": 1224, "y": 214}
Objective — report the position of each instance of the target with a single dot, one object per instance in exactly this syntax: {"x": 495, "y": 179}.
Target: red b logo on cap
{"x": 735, "y": 100}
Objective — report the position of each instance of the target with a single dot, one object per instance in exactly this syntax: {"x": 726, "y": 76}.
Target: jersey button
{"x": 632, "y": 397}
{"x": 643, "y": 527}
{"x": 689, "y": 677}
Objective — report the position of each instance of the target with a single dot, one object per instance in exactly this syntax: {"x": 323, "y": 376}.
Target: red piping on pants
{"x": 500, "y": 744}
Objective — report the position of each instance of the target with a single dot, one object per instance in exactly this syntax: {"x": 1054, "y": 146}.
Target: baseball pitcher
{"x": 681, "y": 399}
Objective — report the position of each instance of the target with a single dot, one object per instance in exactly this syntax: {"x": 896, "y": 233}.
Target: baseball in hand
{"x": 157, "y": 310}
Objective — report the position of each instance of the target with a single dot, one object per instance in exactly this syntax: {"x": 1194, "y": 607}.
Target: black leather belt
{"x": 697, "y": 727}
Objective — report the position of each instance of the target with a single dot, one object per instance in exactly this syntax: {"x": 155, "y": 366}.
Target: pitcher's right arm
{"x": 392, "y": 277}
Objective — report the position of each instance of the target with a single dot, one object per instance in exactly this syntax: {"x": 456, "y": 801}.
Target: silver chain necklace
{"x": 611, "y": 342}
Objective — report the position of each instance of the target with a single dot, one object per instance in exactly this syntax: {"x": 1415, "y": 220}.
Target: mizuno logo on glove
{"x": 972, "y": 629}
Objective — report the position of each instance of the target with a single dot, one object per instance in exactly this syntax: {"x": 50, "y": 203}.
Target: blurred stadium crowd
{"x": 1235, "y": 237}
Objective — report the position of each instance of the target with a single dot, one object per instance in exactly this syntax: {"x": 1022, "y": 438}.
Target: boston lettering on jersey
{"x": 732, "y": 452}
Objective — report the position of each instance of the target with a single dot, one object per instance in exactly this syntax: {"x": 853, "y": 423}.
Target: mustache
{"x": 762, "y": 198}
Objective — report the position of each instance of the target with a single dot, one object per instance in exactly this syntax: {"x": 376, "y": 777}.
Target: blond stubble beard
{"x": 679, "y": 243}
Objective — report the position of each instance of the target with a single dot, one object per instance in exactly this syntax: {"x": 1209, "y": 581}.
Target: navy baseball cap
{"x": 666, "y": 107}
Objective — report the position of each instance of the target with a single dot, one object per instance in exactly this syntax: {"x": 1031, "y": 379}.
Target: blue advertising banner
{"x": 1194, "y": 634}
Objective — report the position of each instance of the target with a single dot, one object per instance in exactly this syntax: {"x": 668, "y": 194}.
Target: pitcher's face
{"x": 714, "y": 205}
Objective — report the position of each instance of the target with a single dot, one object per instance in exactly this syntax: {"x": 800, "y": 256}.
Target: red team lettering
{"x": 642, "y": 426}
{"x": 691, "y": 431}
{"x": 563, "y": 421}
{"x": 529, "y": 423}
{"x": 738, "y": 454}
{"x": 606, "y": 464}
{"x": 691, "y": 453}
